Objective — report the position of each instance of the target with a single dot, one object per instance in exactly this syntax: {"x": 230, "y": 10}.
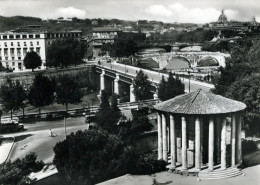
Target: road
{"x": 36, "y": 138}
{"x": 156, "y": 76}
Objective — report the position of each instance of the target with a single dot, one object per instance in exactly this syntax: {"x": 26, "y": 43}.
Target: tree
{"x": 247, "y": 90}
{"x": 88, "y": 157}
{"x": 32, "y": 60}
{"x": 108, "y": 116}
{"x": 68, "y": 91}
{"x": 12, "y": 95}
{"x": 174, "y": 87}
{"x": 162, "y": 89}
{"x": 41, "y": 92}
{"x": 64, "y": 52}
{"x": 17, "y": 172}
{"x": 170, "y": 89}
{"x": 141, "y": 86}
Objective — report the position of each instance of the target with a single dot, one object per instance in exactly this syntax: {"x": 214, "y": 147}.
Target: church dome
{"x": 222, "y": 17}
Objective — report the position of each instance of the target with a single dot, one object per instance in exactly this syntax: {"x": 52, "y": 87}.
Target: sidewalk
{"x": 5, "y": 149}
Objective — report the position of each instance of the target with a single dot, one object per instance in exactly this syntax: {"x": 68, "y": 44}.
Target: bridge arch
{"x": 178, "y": 63}
{"x": 207, "y": 61}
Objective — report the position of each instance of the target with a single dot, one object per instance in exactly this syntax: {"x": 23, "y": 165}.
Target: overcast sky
{"x": 194, "y": 11}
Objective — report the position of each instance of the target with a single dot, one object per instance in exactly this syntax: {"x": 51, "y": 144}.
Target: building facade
{"x": 15, "y": 45}
{"x": 100, "y": 36}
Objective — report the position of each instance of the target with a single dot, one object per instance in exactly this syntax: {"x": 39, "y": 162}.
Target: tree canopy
{"x": 32, "y": 60}
{"x": 141, "y": 86}
{"x": 17, "y": 172}
{"x": 64, "y": 52}
{"x": 12, "y": 95}
{"x": 108, "y": 115}
{"x": 88, "y": 156}
{"x": 239, "y": 80}
{"x": 41, "y": 92}
{"x": 68, "y": 91}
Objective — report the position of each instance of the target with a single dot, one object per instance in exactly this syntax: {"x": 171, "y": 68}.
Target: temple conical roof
{"x": 200, "y": 102}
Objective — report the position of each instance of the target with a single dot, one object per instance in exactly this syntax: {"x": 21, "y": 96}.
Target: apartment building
{"x": 15, "y": 45}
{"x": 100, "y": 36}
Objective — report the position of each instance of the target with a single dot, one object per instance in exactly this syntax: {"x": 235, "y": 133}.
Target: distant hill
{"x": 85, "y": 25}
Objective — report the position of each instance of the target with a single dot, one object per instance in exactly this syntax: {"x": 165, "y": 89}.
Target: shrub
{"x": 147, "y": 164}
{"x": 248, "y": 146}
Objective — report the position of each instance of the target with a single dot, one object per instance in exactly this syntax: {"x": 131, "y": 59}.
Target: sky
{"x": 183, "y": 11}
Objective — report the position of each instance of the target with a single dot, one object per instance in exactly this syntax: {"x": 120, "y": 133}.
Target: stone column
{"x": 223, "y": 144}
{"x": 239, "y": 142}
{"x": 116, "y": 84}
{"x": 211, "y": 144}
{"x": 233, "y": 141}
{"x": 201, "y": 141}
{"x": 132, "y": 95}
{"x": 197, "y": 145}
{"x": 164, "y": 132}
{"x": 173, "y": 142}
{"x": 184, "y": 143}
{"x": 160, "y": 143}
{"x": 102, "y": 81}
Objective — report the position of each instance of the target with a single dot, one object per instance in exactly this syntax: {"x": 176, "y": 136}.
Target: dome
{"x": 200, "y": 102}
{"x": 222, "y": 18}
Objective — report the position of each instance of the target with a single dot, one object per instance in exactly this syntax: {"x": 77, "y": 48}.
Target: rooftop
{"x": 105, "y": 29}
{"x": 200, "y": 102}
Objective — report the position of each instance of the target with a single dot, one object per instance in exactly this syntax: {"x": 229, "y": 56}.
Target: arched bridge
{"x": 126, "y": 74}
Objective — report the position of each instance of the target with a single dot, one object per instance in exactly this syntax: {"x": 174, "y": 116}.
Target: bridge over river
{"x": 125, "y": 73}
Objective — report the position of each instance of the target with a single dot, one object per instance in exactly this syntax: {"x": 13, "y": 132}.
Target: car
{"x": 11, "y": 126}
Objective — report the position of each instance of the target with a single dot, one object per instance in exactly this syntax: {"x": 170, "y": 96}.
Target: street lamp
{"x": 189, "y": 80}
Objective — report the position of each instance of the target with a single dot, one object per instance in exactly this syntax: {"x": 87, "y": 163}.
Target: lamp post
{"x": 189, "y": 80}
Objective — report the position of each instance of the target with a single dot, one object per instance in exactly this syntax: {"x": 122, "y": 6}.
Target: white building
{"x": 14, "y": 46}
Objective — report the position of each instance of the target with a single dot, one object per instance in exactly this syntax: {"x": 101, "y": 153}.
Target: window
{"x": 13, "y": 63}
{"x": 11, "y": 36}
{"x": 6, "y": 58}
{"x": 12, "y": 44}
{"x": 24, "y": 51}
{"x": 19, "y": 58}
{"x": 18, "y": 36}
{"x": 6, "y": 52}
{"x": 38, "y": 51}
{"x": 24, "y": 43}
{"x": 31, "y": 49}
{"x": 37, "y": 36}
{"x": 0, "y": 58}
{"x": 12, "y": 58}
{"x": 12, "y": 51}
{"x": 30, "y": 36}
{"x": 5, "y": 37}
{"x": 24, "y": 36}
{"x": 38, "y": 43}
{"x": 18, "y": 51}
{"x": 18, "y": 44}
{"x": 5, "y": 44}
{"x": 31, "y": 43}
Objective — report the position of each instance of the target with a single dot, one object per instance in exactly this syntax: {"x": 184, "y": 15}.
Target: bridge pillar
{"x": 132, "y": 95}
{"x": 116, "y": 84}
{"x": 155, "y": 96}
{"x": 102, "y": 80}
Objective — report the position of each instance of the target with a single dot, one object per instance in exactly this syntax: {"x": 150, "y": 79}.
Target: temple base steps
{"x": 204, "y": 173}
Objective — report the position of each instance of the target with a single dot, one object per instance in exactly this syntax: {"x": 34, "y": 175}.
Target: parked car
{"x": 10, "y": 125}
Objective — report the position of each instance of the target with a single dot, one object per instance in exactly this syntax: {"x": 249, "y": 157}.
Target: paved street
{"x": 36, "y": 136}
{"x": 156, "y": 77}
